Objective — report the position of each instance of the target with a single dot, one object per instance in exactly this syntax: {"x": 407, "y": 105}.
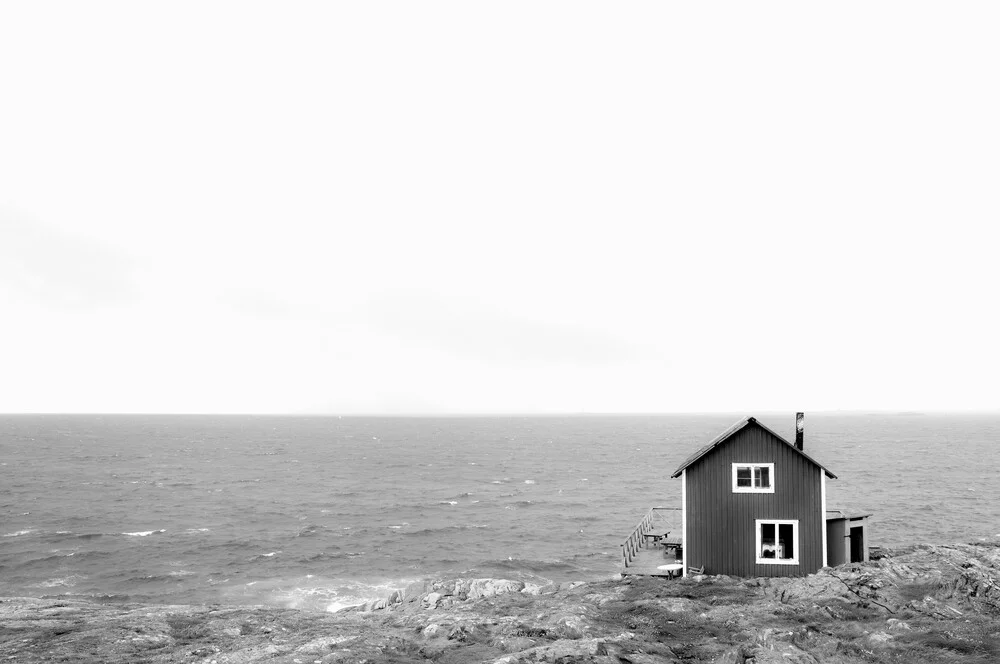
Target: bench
{"x": 673, "y": 546}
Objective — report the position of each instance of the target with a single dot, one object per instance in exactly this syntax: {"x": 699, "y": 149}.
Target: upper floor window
{"x": 753, "y": 478}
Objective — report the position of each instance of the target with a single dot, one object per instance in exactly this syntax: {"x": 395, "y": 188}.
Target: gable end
{"x": 732, "y": 431}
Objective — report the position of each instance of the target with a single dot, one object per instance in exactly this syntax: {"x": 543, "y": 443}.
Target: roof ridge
{"x": 730, "y": 432}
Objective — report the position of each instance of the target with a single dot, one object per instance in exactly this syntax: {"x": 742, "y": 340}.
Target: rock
{"x": 896, "y": 625}
{"x": 948, "y": 593}
{"x": 677, "y": 605}
{"x": 570, "y": 626}
{"x": 564, "y": 650}
{"x": 150, "y": 640}
{"x": 322, "y": 644}
{"x": 490, "y": 587}
{"x": 374, "y": 605}
{"x": 415, "y": 590}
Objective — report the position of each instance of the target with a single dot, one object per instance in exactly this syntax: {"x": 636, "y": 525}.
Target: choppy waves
{"x": 321, "y": 512}
{"x": 445, "y": 532}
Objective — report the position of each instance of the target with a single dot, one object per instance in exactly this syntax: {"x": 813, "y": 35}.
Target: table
{"x": 672, "y": 570}
{"x": 656, "y": 537}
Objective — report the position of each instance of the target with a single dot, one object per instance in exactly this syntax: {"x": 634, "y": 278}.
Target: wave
{"x": 434, "y": 532}
{"x": 64, "y": 582}
{"x": 144, "y": 533}
{"x": 264, "y": 556}
{"x": 171, "y": 577}
{"x": 315, "y": 592}
{"x": 19, "y": 533}
{"x": 323, "y": 556}
{"x": 97, "y": 598}
{"x": 529, "y": 565}
{"x": 61, "y": 535}
{"x": 60, "y": 558}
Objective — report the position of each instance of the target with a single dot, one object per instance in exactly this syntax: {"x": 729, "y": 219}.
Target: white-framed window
{"x": 777, "y": 542}
{"x": 753, "y": 478}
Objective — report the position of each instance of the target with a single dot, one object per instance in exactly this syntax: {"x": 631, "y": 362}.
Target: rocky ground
{"x": 921, "y": 604}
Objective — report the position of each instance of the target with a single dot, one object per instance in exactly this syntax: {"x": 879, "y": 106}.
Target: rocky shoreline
{"x": 924, "y": 603}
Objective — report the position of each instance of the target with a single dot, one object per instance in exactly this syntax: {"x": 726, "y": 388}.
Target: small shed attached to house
{"x": 846, "y": 537}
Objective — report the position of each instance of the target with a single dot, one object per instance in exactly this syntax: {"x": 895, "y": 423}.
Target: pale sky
{"x": 458, "y": 207}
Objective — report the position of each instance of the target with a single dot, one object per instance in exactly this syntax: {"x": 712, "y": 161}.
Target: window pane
{"x": 767, "y": 540}
{"x": 786, "y": 545}
{"x": 763, "y": 477}
{"x": 743, "y": 476}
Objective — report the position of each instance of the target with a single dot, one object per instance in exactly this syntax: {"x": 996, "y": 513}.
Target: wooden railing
{"x": 637, "y": 539}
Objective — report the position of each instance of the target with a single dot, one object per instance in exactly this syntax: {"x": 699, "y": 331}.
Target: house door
{"x": 857, "y": 544}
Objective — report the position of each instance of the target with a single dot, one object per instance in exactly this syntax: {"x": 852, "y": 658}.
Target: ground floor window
{"x": 777, "y": 542}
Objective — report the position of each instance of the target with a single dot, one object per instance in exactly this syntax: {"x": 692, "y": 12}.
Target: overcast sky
{"x": 498, "y": 207}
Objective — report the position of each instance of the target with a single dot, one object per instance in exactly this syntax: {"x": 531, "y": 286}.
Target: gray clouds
{"x": 57, "y": 268}
{"x": 477, "y": 330}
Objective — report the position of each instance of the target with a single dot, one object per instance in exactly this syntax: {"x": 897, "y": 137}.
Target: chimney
{"x": 799, "y": 424}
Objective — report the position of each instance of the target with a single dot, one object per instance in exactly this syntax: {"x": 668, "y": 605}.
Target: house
{"x": 752, "y": 504}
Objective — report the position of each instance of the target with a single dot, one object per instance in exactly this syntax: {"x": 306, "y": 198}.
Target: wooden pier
{"x": 655, "y": 542}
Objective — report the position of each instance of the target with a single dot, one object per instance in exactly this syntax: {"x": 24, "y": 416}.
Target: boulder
{"x": 490, "y": 587}
{"x": 563, "y": 650}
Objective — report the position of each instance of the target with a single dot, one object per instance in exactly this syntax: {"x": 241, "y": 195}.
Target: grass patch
{"x": 187, "y": 629}
{"x": 656, "y": 623}
{"x": 917, "y": 591}
{"x": 972, "y": 639}
{"x": 712, "y": 591}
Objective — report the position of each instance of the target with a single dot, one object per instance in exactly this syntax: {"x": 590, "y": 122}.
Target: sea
{"x": 325, "y": 512}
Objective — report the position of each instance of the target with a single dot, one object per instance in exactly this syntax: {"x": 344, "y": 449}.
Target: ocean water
{"x": 326, "y": 512}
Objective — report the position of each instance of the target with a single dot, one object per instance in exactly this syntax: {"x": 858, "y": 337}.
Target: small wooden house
{"x": 753, "y": 504}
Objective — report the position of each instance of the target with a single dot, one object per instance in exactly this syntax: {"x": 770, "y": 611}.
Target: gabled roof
{"x": 729, "y": 433}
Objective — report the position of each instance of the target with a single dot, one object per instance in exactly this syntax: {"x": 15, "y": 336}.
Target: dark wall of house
{"x": 721, "y": 524}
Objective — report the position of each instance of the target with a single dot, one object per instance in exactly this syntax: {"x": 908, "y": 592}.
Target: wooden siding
{"x": 721, "y": 528}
